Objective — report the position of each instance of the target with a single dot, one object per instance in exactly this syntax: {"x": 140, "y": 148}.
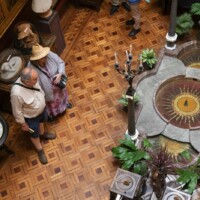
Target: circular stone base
{"x": 178, "y": 102}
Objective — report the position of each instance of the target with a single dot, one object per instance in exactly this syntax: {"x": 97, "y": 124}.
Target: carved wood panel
{"x": 9, "y": 9}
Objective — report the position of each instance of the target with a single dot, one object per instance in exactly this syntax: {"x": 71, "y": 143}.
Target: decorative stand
{"x": 3, "y": 135}
{"x": 125, "y": 184}
{"x": 52, "y": 25}
{"x": 129, "y": 75}
{"x": 171, "y": 36}
{"x": 171, "y": 193}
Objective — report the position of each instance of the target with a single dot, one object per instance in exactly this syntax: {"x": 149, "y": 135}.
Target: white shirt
{"x": 26, "y": 102}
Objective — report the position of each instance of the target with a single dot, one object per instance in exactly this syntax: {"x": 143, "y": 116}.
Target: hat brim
{"x": 23, "y": 34}
{"x": 40, "y": 55}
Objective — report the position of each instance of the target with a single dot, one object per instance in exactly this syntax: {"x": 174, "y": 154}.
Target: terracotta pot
{"x": 146, "y": 66}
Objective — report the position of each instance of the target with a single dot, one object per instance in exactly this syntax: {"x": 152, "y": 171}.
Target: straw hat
{"x": 24, "y": 30}
{"x": 39, "y": 52}
{"x": 41, "y": 6}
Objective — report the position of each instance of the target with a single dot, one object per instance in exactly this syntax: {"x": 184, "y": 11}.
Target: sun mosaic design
{"x": 179, "y": 102}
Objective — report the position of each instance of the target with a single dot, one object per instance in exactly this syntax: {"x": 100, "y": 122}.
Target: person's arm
{"x": 60, "y": 63}
{"x": 17, "y": 112}
{"x": 61, "y": 67}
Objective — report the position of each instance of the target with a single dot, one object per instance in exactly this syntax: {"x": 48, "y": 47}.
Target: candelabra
{"x": 129, "y": 75}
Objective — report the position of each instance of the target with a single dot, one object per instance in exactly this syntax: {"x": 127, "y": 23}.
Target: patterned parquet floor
{"x": 81, "y": 165}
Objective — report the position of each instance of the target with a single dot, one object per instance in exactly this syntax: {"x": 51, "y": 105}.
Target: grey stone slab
{"x": 195, "y": 139}
{"x": 171, "y": 63}
{"x": 146, "y": 89}
{"x": 149, "y": 122}
{"x": 170, "y": 67}
{"x": 193, "y": 73}
{"x": 177, "y": 133}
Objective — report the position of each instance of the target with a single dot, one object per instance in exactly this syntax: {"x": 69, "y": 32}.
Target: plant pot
{"x": 125, "y": 109}
{"x": 146, "y": 66}
{"x": 196, "y": 19}
{"x": 186, "y": 4}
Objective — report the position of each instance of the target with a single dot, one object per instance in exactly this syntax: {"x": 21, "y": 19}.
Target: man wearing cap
{"x": 136, "y": 16}
{"x": 117, "y": 3}
{"x": 50, "y": 68}
{"x": 28, "y": 107}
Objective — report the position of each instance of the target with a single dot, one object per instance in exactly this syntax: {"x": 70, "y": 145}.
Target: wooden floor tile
{"x": 81, "y": 166}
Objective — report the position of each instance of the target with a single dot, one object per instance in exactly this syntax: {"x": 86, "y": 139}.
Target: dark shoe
{"x": 51, "y": 118}
{"x": 130, "y": 22}
{"x": 126, "y": 6}
{"x": 114, "y": 9}
{"x": 134, "y": 32}
{"x": 48, "y": 136}
{"x": 42, "y": 157}
{"x": 69, "y": 105}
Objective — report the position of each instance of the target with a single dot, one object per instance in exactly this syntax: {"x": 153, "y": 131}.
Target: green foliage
{"x": 185, "y": 154}
{"x": 130, "y": 156}
{"x": 146, "y": 143}
{"x": 184, "y": 23}
{"x": 149, "y": 57}
{"x": 189, "y": 176}
{"x": 124, "y": 100}
{"x": 195, "y": 9}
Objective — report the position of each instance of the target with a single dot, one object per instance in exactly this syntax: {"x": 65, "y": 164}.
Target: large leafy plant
{"x": 149, "y": 57}
{"x": 184, "y": 23}
{"x": 131, "y": 158}
{"x": 189, "y": 176}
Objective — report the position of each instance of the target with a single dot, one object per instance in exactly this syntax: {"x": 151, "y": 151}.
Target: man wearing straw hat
{"x": 50, "y": 68}
{"x": 28, "y": 107}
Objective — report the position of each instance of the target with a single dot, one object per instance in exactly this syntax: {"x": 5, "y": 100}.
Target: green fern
{"x": 184, "y": 23}
{"x": 195, "y": 9}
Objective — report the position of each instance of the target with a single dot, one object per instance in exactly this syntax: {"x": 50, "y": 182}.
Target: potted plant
{"x": 195, "y": 11}
{"x": 161, "y": 163}
{"x": 189, "y": 176}
{"x": 124, "y": 101}
{"x": 149, "y": 58}
{"x": 184, "y": 24}
{"x": 131, "y": 157}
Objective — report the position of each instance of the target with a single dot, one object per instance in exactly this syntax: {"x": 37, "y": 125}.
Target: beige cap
{"x": 40, "y": 6}
{"x": 39, "y": 52}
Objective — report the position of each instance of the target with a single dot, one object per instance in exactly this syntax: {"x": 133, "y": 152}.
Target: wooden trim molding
{"x": 8, "y": 12}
